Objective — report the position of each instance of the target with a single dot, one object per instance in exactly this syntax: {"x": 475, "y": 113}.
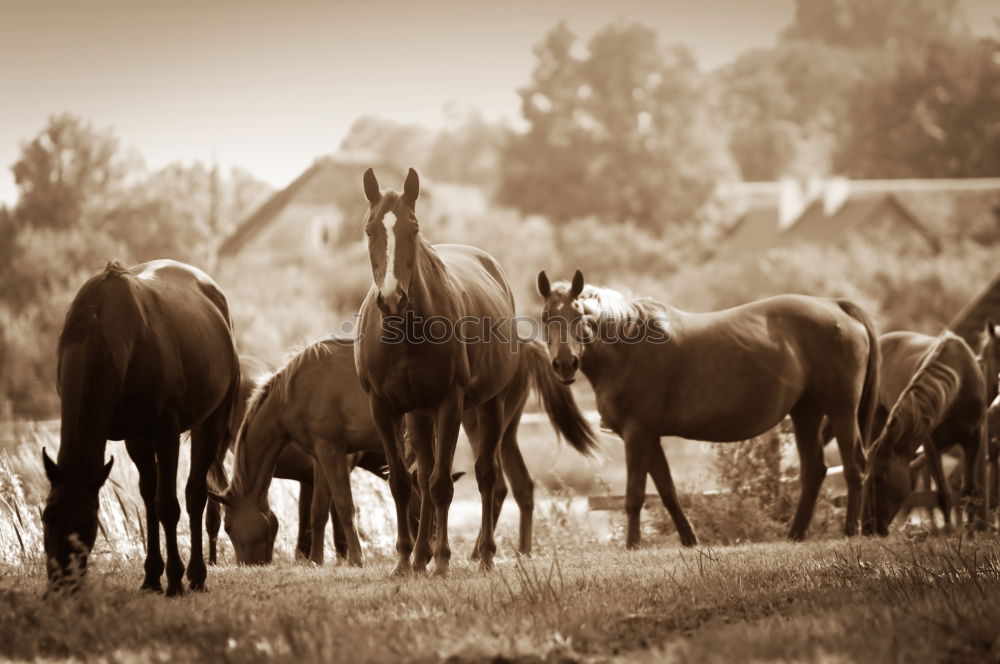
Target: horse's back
{"x": 479, "y": 276}
{"x": 185, "y": 361}
{"x": 902, "y": 353}
{"x": 324, "y": 397}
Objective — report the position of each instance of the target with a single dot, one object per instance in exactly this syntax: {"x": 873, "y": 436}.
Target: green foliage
{"x": 626, "y": 133}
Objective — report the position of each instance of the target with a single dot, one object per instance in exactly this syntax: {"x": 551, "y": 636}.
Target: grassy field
{"x": 914, "y": 596}
{"x": 893, "y": 600}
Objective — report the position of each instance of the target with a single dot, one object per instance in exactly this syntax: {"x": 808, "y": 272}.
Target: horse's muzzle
{"x": 393, "y": 304}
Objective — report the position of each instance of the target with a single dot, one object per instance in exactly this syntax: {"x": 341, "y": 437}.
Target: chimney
{"x": 835, "y": 194}
{"x": 791, "y": 202}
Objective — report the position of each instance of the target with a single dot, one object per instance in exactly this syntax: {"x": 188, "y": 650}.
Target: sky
{"x": 269, "y": 86}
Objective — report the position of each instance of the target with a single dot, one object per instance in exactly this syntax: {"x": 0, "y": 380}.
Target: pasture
{"x": 582, "y": 597}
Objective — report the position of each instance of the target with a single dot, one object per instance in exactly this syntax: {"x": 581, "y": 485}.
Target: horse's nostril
{"x": 575, "y": 363}
{"x": 555, "y": 364}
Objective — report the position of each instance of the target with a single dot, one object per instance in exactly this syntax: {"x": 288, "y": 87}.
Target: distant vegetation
{"x": 613, "y": 170}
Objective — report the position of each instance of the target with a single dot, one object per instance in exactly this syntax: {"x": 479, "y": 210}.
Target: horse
{"x": 437, "y": 345}
{"x": 722, "y": 376}
{"x": 942, "y": 404}
{"x": 146, "y": 352}
{"x": 300, "y": 395}
{"x": 292, "y": 464}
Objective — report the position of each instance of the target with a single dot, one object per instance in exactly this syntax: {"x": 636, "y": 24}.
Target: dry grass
{"x": 581, "y": 598}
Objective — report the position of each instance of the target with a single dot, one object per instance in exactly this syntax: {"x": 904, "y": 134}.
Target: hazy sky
{"x": 271, "y": 85}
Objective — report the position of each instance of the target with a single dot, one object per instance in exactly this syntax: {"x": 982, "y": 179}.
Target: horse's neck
{"x": 923, "y": 406}
{"x": 602, "y": 362}
{"x": 257, "y": 453}
{"x": 432, "y": 291}
{"x": 89, "y": 394}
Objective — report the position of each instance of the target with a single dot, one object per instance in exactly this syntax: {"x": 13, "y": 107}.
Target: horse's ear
{"x": 544, "y": 289}
{"x": 219, "y": 498}
{"x": 372, "y": 192}
{"x": 411, "y": 188}
{"x": 102, "y": 477}
{"x": 457, "y": 476}
{"x": 51, "y": 469}
{"x": 991, "y": 328}
{"x": 577, "y": 286}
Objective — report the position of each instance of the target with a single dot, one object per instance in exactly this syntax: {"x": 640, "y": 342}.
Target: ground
{"x": 834, "y": 600}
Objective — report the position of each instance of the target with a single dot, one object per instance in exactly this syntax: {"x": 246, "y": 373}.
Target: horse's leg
{"x": 333, "y": 460}
{"x": 636, "y": 455}
{"x": 973, "y": 477}
{"x": 213, "y": 510}
{"x": 521, "y": 484}
{"x": 441, "y": 485}
{"x": 490, "y": 416}
{"x": 143, "y": 456}
{"x": 303, "y": 542}
{"x": 420, "y": 432}
{"x": 932, "y": 450}
{"x": 168, "y": 509}
{"x": 320, "y": 510}
{"x": 205, "y": 441}
{"x": 387, "y": 423}
{"x": 806, "y": 419}
{"x": 659, "y": 469}
{"x": 470, "y": 422}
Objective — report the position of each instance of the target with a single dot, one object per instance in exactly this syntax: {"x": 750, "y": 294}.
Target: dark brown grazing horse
{"x": 943, "y": 404}
{"x": 722, "y": 376}
{"x": 437, "y": 342}
{"x": 145, "y": 353}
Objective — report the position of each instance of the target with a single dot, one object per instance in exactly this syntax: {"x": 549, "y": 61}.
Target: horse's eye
{"x": 545, "y": 316}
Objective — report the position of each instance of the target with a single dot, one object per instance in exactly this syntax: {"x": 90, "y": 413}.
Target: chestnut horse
{"x": 146, "y": 353}
{"x": 437, "y": 342}
{"x": 722, "y": 376}
{"x": 293, "y": 464}
{"x": 942, "y": 404}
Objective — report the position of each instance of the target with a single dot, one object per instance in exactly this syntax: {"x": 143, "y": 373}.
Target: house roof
{"x": 813, "y": 225}
{"x": 972, "y": 319}
{"x": 336, "y": 179}
{"x": 755, "y": 232}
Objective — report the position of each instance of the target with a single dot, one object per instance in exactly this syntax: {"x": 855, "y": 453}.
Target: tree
{"x": 380, "y": 140}
{"x": 626, "y": 133}
{"x": 468, "y": 149}
{"x": 784, "y": 105}
{"x": 933, "y": 115}
{"x": 883, "y": 25}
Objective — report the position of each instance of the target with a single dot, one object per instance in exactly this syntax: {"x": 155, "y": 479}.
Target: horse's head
{"x": 251, "y": 527}
{"x": 886, "y": 485}
{"x": 69, "y": 521}
{"x": 567, "y": 326}
{"x": 392, "y": 232}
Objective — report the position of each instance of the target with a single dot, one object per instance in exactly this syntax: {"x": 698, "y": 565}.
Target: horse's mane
{"x": 928, "y": 394}
{"x": 610, "y": 305}
{"x": 275, "y": 384}
{"x": 104, "y": 348}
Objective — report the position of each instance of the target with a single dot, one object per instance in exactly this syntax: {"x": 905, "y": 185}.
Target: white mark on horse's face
{"x": 389, "y": 281}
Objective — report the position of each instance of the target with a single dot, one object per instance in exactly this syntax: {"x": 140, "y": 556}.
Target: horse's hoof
{"x": 401, "y": 570}
{"x": 359, "y": 562}
{"x": 631, "y": 546}
{"x": 524, "y": 553}
{"x": 152, "y": 588}
{"x": 175, "y": 591}
{"x": 690, "y": 539}
{"x": 486, "y": 564}
{"x": 197, "y": 586}
{"x": 440, "y": 570}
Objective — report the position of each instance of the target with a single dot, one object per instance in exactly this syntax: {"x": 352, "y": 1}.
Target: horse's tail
{"x": 869, "y": 391}
{"x": 557, "y": 399}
